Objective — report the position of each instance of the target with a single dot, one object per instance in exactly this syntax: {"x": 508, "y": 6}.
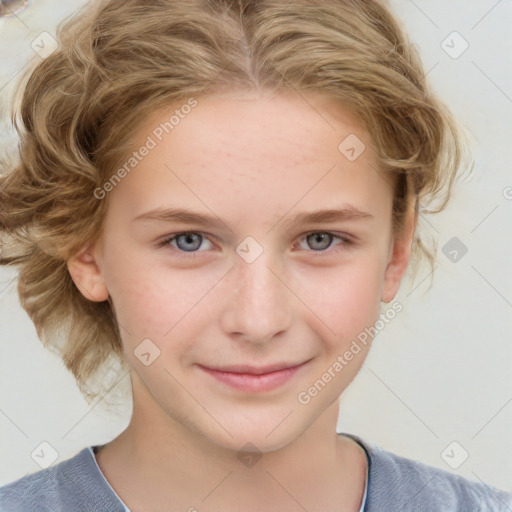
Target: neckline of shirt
{"x": 355, "y": 438}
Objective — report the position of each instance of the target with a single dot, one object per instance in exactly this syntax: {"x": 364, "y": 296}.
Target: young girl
{"x": 222, "y": 194}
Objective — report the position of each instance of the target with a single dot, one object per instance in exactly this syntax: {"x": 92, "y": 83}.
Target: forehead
{"x": 231, "y": 150}
{"x": 277, "y": 126}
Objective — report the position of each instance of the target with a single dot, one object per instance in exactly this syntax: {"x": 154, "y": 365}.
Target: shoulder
{"x": 401, "y": 484}
{"x": 73, "y": 484}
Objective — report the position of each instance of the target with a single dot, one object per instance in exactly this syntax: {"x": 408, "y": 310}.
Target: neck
{"x": 160, "y": 460}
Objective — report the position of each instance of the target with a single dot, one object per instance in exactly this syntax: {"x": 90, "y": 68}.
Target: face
{"x": 263, "y": 283}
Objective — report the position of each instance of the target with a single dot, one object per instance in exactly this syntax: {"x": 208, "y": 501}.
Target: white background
{"x": 439, "y": 372}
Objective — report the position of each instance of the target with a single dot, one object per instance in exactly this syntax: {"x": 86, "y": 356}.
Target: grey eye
{"x": 193, "y": 239}
{"x": 321, "y": 238}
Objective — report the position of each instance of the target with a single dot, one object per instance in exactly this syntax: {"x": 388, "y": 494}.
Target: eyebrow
{"x": 184, "y": 216}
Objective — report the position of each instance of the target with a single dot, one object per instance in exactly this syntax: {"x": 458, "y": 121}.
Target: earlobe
{"x": 399, "y": 261}
{"x": 87, "y": 276}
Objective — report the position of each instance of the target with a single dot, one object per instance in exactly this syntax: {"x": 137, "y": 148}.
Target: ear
{"x": 87, "y": 276}
{"x": 400, "y": 254}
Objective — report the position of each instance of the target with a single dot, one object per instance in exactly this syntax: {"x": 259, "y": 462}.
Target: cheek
{"x": 345, "y": 299}
{"x": 156, "y": 302}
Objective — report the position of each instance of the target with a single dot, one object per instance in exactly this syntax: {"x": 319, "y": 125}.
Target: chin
{"x": 264, "y": 433}
{"x": 256, "y": 441}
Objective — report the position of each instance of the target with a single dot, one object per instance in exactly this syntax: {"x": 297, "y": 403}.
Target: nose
{"x": 259, "y": 301}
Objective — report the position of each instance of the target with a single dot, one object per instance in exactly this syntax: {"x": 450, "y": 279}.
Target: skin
{"x": 253, "y": 161}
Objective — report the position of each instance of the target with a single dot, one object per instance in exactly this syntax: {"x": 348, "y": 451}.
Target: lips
{"x": 253, "y": 370}
{"x": 252, "y": 379}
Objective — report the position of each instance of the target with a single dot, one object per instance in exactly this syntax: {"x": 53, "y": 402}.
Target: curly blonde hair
{"x": 117, "y": 62}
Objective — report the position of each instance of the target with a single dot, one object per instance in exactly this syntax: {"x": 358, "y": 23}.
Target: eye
{"x": 186, "y": 242}
{"x": 322, "y": 240}
{"x": 190, "y": 241}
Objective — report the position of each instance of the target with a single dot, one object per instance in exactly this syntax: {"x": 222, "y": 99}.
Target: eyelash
{"x": 345, "y": 241}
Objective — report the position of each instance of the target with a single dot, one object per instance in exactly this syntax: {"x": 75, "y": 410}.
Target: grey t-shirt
{"x": 394, "y": 484}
